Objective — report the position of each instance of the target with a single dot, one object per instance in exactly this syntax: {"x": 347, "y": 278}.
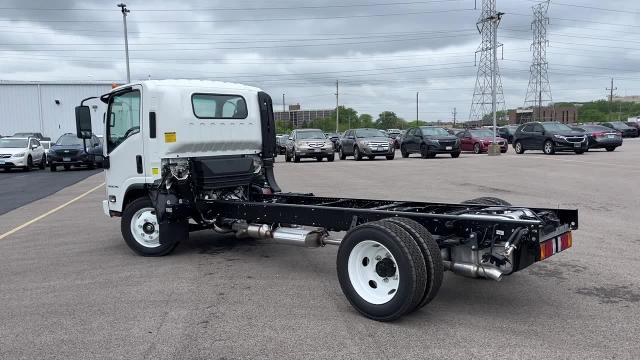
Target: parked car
{"x": 635, "y": 125}
{"x": 429, "y": 141}
{"x": 601, "y": 137}
{"x": 549, "y": 137}
{"x": 21, "y": 152}
{"x": 309, "y": 143}
{"x": 366, "y": 142}
{"x": 507, "y": 132}
{"x": 281, "y": 143}
{"x": 393, "y": 134}
{"x": 69, "y": 150}
{"x": 478, "y": 141}
{"x": 626, "y": 130}
{"x": 335, "y": 138}
{"x": 46, "y": 145}
{"x": 453, "y": 131}
{"x": 36, "y": 135}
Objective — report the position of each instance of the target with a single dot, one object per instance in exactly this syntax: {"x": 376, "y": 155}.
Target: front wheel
{"x": 424, "y": 151}
{"x": 141, "y": 231}
{"x": 579, "y": 152}
{"x": 518, "y": 147}
{"x": 357, "y": 154}
{"x": 43, "y": 162}
{"x": 549, "y": 148}
{"x": 391, "y": 157}
{"x": 403, "y": 151}
{"x": 331, "y": 158}
{"x": 611, "y": 149}
{"x": 381, "y": 270}
{"x": 29, "y": 164}
{"x": 455, "y": 155}
{"x": 341, "y": 154}
{"x": 287, "y": 158}
{"x": 476, "y": 148}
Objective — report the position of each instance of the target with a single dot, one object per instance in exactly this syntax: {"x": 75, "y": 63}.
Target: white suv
{"x": 22, "y": 153}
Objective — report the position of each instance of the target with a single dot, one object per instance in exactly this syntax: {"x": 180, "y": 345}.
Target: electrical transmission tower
{"x": 488, "y": 80}
{"x": 539, "y": 90}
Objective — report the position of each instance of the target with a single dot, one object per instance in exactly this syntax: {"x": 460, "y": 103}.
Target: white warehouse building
{"x": 48, "y": 107}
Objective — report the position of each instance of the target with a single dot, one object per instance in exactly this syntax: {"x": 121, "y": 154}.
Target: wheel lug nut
{"x": 385, "y": 280}
{"x": 378, "y": 257}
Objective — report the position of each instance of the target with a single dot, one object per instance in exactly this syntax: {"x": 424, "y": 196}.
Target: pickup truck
{"x": 185, "y": 155}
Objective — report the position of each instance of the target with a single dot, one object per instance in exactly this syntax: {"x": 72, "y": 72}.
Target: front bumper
{"x": 314, "y": 152}
{"x": 564, "y": 145}
{"x": 77, "y": 160}
{"x": 378, "y": 150}
{"x": 605, "y": 143}
{"x": 504, "y": 146}
{"x": 444, "y": 148}
{"x": 7, "y": 163}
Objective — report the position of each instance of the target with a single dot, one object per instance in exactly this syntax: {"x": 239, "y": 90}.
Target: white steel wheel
{"x": 145, "y": 229}
{"x": 373, "y": 272}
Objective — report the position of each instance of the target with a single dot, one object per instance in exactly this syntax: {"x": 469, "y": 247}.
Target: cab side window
{"x": 123, "y": 118}
{"x": 528, "y": 128}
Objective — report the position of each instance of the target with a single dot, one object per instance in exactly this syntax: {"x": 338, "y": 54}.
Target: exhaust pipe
{"x": 283, "y": 235}
{"x": 474, "y": 271}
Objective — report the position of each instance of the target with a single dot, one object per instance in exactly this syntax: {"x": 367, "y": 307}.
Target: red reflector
{"x": 267, "y": 191}
{"x": 555, "y": 245}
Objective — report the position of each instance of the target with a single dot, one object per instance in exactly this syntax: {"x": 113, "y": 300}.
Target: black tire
{"x": 371, "y": 157}
{"x": 29, "y": 164}
{"x": 357, "y": 155}
{"x": 476, "y": 148}
{"x": 455, "y": 155}
{"x": 341, "y": 154}
{"x": 430, "y": 253}
{"x": 53, "y": 168}
{"x": 518, "y": 147}
{"x": 579, "y": 152}
{"x": 125, "y": 227}
{"x": 67, "y": 167}
{"x": 611, "y": 149}
{"x": 287, "y": 158}
{"x": 403, "y": 152}
{"x": 410, "y": 266}
{"x": 43, "y": 162}
{"x": 391, "y": 157}
{"x": 331, "y": 158}
{"x": 487, "y": 200}
{"x": 296, "y": 158}
{"x": 548, "y": 147}
{"x": 424, "y": 151}
{"x": 318, "y": 158}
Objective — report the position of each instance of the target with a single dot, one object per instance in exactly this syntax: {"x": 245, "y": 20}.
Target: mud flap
{"x": 173, "y": 225}
{"x": 171, "y": 232}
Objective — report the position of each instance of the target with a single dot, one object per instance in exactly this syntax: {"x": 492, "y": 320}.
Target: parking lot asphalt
{"x": 18, "y": 188}
{"x": 71, "y": 289}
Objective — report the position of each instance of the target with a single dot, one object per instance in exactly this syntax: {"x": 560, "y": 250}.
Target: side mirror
{"x": 33, "y": 147}
{"x": 290, "y": 139}
{"x": 83, "y": 122}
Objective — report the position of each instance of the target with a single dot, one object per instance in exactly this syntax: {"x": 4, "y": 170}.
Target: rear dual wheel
{"x": 389, "y": 268}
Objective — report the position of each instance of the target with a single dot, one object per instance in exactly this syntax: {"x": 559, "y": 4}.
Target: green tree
{"x": 389, "y": 120}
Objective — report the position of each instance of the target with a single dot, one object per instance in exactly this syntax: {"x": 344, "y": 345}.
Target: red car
{"x": 478, "y": 140}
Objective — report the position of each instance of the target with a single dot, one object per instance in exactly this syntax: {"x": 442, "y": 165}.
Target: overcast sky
{"x": 381, "y": 51}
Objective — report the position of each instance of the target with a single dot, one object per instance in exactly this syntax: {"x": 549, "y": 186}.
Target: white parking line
{"x": 582, "y": 162}
{"x": 49, "y": 212}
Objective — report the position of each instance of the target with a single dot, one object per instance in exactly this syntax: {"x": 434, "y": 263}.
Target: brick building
{"x": 298, "y": 117}
{"x": 565, "y": 115}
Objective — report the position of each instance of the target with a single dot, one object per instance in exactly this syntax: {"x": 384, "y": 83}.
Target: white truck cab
{"x": 156, "y": 121}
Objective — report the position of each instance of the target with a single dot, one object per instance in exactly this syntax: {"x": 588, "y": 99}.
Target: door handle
{"x": 139, "y": 163}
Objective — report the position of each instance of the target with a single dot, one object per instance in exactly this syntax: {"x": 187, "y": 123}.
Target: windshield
{"x": 620, "y": 125}
{"x": 367, "y": 133}
{"x": 69, "y": 139}
{"x": 556, "y": 127}
{"x": 305, "y": 135}
{"x": 482, "y": 133}
{"x": 13, "y": 143}
{"x": 430, "y": 131}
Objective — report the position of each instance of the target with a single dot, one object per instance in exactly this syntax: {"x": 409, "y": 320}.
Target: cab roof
{"x": 196, "y": 84}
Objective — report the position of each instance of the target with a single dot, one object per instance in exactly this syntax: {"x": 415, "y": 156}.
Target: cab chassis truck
{"x": 185, "y": 155}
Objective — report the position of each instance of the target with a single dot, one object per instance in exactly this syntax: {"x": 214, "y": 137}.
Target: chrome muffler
{"x": 474, "y": 271}
{"x": 282, "y": 235}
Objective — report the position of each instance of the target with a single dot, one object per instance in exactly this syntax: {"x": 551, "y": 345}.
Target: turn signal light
{"x": 555, "y": 245}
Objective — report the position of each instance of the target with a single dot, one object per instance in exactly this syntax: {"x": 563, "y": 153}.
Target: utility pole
{"x": 611, "y": 89}
{"x": 284, "y": 109}
{"x": 417, "y": 116}
{"x": 337, "y": 107}
{"x": 125, "y": 11}
{"x": 455, "y": 112}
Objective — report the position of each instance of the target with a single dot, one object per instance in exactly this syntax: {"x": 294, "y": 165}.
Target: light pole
{"x": 125, "y": 11}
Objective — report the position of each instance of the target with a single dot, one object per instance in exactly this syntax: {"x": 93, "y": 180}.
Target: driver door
{"x": 124, "y": 144}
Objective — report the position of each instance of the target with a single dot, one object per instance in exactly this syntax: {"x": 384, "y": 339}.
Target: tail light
{"x": 598, "y": 134}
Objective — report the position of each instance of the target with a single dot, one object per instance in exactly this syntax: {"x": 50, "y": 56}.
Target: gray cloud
{"x": 381, "y": 54}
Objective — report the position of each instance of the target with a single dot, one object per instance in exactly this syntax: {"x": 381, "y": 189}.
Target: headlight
{"x": 257, "y": 164}
{"x": 301, "y": 144}
{"x": 435, "y": 141}
{"x": 560, "y": 137}
{"x": 363, "y": 142}
{"x": 328, "y": 143}
{"x": 18, "y": 154}
{"x": 179, "y": 168}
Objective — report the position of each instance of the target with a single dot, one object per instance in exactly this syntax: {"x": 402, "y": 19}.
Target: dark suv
{"x": 429, "y": 141}
{"x": 626, "y": 130}
{"x": 69, "y": 151}
{"x": 549, "y": 137}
